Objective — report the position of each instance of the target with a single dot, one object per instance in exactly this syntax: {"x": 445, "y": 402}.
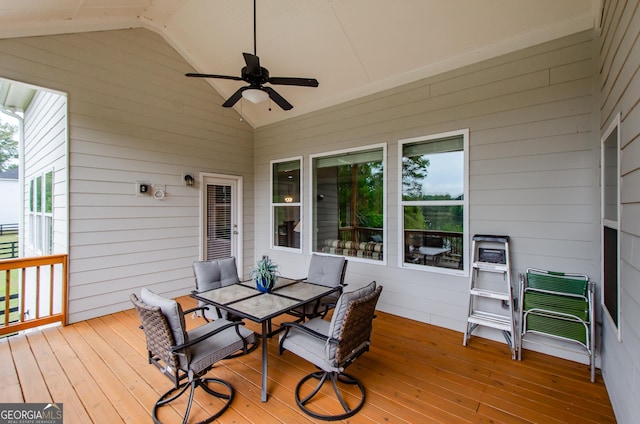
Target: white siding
{"x": 45, "y": 150}
{"x": 533, "y": 167}
{"x": 133, "y": 116}
{"x": 620, "y": 93}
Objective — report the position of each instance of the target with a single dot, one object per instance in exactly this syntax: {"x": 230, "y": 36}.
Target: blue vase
{"x": 263, "y": 285}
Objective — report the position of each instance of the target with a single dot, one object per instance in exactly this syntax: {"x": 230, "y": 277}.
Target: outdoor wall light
{"x": 188, "y": 180}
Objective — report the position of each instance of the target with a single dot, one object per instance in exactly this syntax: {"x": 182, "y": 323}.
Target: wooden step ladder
{"x": 491, "y": 302}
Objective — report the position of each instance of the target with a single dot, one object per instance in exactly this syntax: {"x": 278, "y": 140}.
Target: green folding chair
{"x": 558, "y": 305}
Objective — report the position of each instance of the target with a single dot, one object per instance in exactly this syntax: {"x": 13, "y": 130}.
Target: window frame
{"x": 41, "y": 222}
{"x": 273, "y": 205}
{"x": 385, "y": 193}
{"x": 464, "y": 203}
{"x": 616, "y": 323}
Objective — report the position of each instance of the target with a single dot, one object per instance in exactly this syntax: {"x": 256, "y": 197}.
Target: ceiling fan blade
{"x": 304, "y": 82}
{"x": 212, "y": 76}
{"x": 278, "y": 99}
{"x": 234, "y": 97}
{"x": 253, "y": 63}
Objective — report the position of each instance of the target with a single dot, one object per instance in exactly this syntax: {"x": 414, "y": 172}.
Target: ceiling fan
{"x": 257, "y": 76}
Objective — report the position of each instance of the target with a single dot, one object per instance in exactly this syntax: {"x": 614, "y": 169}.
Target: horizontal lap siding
{"x": 45, "y": 149}
{"x": 620, "y": 93}
{"x": 533, "y": 166}
{"x": 133, "y": 116}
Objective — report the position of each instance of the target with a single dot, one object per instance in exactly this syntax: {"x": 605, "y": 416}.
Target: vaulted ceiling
{"x": 352, "y": 47}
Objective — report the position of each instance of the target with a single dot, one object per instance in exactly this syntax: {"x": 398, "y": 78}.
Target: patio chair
{"x": 327, "y": 271}
{"x": 189, "y": 355}
{"x": 558, "y": 305}
{"x": 214, "y": 274}
{"x": 333, "y": 346}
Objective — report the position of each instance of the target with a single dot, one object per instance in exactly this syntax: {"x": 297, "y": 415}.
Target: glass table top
{"x": 301, "y": 291}
{"x": 247, "y": 300}
{"x": 265, "y": 305}
{"x": 228, "y": 294}
{"x": 280, "y": 282}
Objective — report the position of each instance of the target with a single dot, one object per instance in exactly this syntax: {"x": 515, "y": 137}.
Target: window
{"x": 434, "y": 205}
{"x": 349, "y": 202}
{"x": 285, "y": 203}
{"x": 610, "y": 192}
{"x": 41, "y": 213}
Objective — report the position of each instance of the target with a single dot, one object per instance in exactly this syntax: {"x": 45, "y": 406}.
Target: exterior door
{"x": 221, "y": 223}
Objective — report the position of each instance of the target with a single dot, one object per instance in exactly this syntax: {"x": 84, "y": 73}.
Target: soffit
{"x": 353, "y": 47}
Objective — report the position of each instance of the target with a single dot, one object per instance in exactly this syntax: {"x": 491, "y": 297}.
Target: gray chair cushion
{"x": 320, "y": 352}
{"x": 217, "y": 347}
{"x": 173, "y": 314}
{"x": 326, "y": 270}
{"x": 310, "y": 348}
{"x": 212, "y": 275}
{"x": 215, "y": 273}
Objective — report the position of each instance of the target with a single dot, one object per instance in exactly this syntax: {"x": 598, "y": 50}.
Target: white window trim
{"x": 465, "y": 204}
{"x": 385, "y": 191}
{"x": 37, "y": 238}
{"x": 614, "y": 125}
{"x": 273, "y": 205}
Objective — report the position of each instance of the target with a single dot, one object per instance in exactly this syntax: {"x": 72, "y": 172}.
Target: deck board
{"x": 414, "y": 372}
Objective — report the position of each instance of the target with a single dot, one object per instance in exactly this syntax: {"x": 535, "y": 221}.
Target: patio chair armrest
{"x": 326, "y": 306}
{"x": 197, "y": 340}
{"x": 288, "y": 325}
{"x": 199, "y": 308}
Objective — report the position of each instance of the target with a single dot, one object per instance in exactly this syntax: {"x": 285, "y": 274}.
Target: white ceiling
{"x": 352, "y": 47}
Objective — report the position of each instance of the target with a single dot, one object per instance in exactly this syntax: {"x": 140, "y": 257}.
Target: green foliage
{"x": 8, "y": 146}
{"x": 366, "y": 182}
{"x": 413, "y": 218}
{"x": 414, "y": 171}
{"x": 265, "y": 271}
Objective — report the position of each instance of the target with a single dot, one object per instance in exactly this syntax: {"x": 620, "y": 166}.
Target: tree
{"x": 8, "y": 146}
{"x": 414, "y": 171}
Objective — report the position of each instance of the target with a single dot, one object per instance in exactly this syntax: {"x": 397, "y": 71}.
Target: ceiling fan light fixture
{"x": 255, "y": 95}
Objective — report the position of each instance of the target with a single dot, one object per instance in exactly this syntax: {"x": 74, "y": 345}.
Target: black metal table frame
{"x": 265, "y": 321}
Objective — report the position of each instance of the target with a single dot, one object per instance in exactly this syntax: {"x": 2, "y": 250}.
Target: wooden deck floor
{"x": 414, "y": 373}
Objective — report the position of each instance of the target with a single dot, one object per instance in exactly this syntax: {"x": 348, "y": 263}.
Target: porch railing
{"x": 359, "y": 234}
{"x": 41, "y": 285}
{"x": 9, "y": 249}
{"x": 451, "y": 240}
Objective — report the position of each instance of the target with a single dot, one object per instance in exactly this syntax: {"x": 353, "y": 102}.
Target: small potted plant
{"x": 265, "y": 274}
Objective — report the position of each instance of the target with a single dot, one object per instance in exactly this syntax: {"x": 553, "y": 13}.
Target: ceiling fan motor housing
{"x": 258, "y": 79}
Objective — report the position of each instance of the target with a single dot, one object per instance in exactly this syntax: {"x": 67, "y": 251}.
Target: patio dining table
{"x": 245, "y": 301}
{"x": 432, "y": 254}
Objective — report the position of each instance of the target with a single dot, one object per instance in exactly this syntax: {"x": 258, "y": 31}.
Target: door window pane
{"x": 218, "y": 221}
